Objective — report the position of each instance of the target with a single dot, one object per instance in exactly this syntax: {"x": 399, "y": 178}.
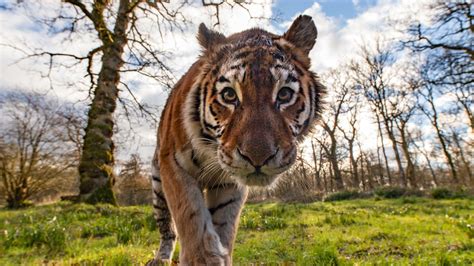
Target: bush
{"x": 344, "y": 195}
{"x": 390, "y": 192}
{"x": 411, "y": 199}
{"x": 446, "y": 193}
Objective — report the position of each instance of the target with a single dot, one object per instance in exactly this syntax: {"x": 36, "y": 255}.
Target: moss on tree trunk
{"x": 97, "y": 161}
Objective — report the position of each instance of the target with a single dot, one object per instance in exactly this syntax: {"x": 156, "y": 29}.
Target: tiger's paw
{"x": 216, "y": 254}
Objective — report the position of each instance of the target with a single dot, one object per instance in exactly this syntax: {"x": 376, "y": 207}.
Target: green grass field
{"x": 403, "y": 231}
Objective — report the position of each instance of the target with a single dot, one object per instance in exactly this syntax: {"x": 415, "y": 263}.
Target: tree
{"x": 97, "y": 160}
{"x": 35, "y": 150}
{"x": 350, "y": 133}
{"x": 446, "y": 42}
{"x": 403, "y": 106}
{"x": 462, "y": 157}
{"x": 422, "y": 148}
{"x": 426, "y": 103}
{"x": 318, "y": 165}
{"x": 132, "y": 183}
{"x": 371, "y": 75}
{"x": 331, "y": 120}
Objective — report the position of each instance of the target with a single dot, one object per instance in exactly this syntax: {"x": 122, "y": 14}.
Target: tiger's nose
{"x": 258, "y": 158}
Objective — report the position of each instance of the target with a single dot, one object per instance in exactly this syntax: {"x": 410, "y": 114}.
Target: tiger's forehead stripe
{"x": 248, "y": 52}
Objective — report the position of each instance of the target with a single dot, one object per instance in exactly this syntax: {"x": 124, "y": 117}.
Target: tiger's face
{"x": 257, "y": 99}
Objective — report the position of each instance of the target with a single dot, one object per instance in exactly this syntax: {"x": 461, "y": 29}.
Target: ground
{"x": 403, "y": 231}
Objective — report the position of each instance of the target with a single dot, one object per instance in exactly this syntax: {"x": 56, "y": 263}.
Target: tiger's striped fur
{"x": 233, "y": 120}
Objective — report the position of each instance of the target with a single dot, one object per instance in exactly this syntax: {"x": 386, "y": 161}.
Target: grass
{"x": 404, "y": 231}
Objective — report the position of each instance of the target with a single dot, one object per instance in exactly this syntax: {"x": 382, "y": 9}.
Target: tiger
{"x": 232, "y": 121}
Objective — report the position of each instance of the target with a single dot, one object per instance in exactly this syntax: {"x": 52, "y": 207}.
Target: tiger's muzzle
{"x": 257, "y": 167}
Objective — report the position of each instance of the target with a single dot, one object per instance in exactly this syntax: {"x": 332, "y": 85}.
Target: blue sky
{"x": 340, "y": 9}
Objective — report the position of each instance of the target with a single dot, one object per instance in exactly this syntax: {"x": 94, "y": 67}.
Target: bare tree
{"x": 368, "y": 170}
{"x": 422, "y": 148}
{"x": 402, "y": 123}
{"x": 350, "y": 133}
{"x": 447, "y": 42}
{"x": 35, "y": 150}
{"x": 464, "y": 158}
{"x": 317, "y": 166}
{"x": 330, "y": 122}
{"x": 371, "y": 76}
{"x": 132, "y": 183}
{"x": 426, "y": 103}
{"x": 403, "y": 106}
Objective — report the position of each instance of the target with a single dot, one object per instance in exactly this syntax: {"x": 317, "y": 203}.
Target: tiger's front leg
{"x": 225, "y": 203}
{"x": 200, "y": 243}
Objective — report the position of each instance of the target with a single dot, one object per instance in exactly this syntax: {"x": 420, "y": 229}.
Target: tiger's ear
{"x": 208, "y": 38}
{"x": 302, "y": 33}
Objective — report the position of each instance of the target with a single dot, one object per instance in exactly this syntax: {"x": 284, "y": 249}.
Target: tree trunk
{"x": 321, "y": 168}
{"x": 362, "y": 173}
{"x": 331, "y": 178}
{"x": 389, "y": 175}
{"x": 410, "y": 169}
{"x": 466, "y": 164}
{"x": 467, "y": 109}
{"x": 370, "y": 174}
{"x": 439, "y": 134}
{"x": 428, "y": 162}
{"x": 317, "y": 169}
{"x": 354, "y": 171}
{"x": 17, "y": 199}
{"x": 448, "y": 156}
{"x": 332, "y": 156}
{"x": 327, "y": 188}
{"x": 335, "y": 166}
{"x": 391, "y": 136}
{"x": 433, "y": 175}
{"x": 97, "y": 161}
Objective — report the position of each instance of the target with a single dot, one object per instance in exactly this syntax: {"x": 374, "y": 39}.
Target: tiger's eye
{"x": 229, "y": 95}
{"x": 284, "y": 95}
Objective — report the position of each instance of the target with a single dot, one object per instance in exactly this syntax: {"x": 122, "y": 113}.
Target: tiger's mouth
{"x": 258, "y": 179}
{"x": 249, "y": 175}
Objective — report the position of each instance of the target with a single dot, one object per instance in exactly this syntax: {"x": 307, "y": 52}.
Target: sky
{"x": 343, "y": 25}
{"x": 341, "y": 9}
